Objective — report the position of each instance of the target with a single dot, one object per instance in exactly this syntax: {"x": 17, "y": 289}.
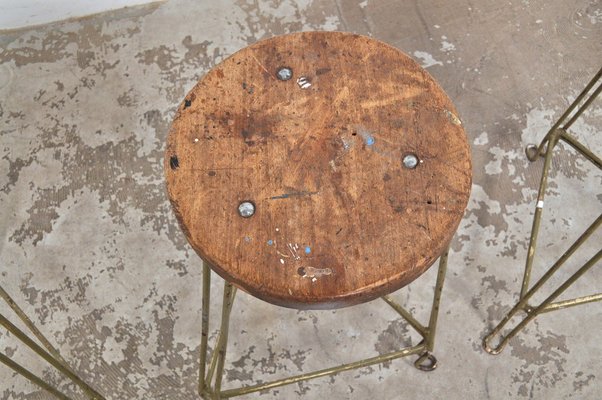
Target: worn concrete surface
{"x": 90, "y": 249}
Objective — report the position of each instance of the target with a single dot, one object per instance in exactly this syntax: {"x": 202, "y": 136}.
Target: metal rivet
{"x": 284, "y": 73}
{"x": 410, "y": 161}
{"x": 246, "y": 209}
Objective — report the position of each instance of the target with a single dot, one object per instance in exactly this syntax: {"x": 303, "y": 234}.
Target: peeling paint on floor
{"x": 92, "y": 251}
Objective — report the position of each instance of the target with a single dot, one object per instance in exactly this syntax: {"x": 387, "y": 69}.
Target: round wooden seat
{"x": 318, "y": 169}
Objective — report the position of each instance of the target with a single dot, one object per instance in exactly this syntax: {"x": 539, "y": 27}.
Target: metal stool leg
{"x": 204, "y": 326}
{"x": 51, "y": 356}
{"x": 549, "y": 142}
{"x": 533, "y": 151}
{"x": 31, "y": 377}
{"x": 229, "y": 292}
{"x": 541, "y": 308}
{"x": 425, "y": 362}
{"x": 538, "y": 211}
{"x": 216, "y": 367}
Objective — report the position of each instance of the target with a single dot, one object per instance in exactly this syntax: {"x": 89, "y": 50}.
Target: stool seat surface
{"x": 339, "y": 219}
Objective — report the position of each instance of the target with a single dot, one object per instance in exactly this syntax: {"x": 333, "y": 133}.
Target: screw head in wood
{"x": 410, "y": 161}
{"x": 284, "y": 73}
{"x": 246, "y": 209}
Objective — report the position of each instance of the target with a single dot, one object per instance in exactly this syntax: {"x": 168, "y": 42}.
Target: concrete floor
{"x": 91, "y": 250}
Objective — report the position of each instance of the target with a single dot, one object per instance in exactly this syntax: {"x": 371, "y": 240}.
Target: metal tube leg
{"x": 213, "y": 362}
{"x": 546, "y": 276}
{"x": 33, "y": 378}
{"x": 48, "y": 357}
{"x": 532, "y": 150}
{"x": 30, "y": 325}
{"x": 586, "y": 104}
{"x": 537, "y": 310}
{"x": 421, "y": 363}
{"x": 584, "y": 151}
{"x": 537, "y": 217}
{"x": 49, "y": 347}
{"x": 204, "y": 326}
{"x": 223, "y": 342}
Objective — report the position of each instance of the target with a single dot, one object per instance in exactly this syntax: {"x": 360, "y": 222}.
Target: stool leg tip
{"x": 531, "y": 151}
{"x": 426, "y": 362}
{"x": 491, "y": 350}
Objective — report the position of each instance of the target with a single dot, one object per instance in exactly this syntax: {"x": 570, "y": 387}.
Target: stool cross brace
{"x": 210, "y": 379}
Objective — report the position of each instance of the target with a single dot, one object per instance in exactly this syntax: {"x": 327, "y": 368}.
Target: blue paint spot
{"x": 270, "y": 242}
{"x": 307, "y": 249}
{"x": 366, "y": 135}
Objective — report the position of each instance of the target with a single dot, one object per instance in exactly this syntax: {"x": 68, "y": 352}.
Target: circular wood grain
{"x": 338, "y": 217}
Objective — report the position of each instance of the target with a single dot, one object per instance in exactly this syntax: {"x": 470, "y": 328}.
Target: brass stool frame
{"x": 51, "y": 354}
{"x": 210, "y": 380}
{"x": 546, "y": 149}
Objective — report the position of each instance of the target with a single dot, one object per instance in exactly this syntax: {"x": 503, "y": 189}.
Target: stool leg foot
{"x": 532, "y": 151}
{"x": 426, "y": 362}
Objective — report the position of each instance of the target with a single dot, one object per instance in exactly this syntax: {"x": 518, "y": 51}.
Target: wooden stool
{"x": 317, "y": 170}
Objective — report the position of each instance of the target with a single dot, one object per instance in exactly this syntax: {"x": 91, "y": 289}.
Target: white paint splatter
{"x": 539, "y": 121}
{"x": 494, "y": 166}
{"x": 363, "y": 4}
{"x": 478, "y": 197}
{"x": 595, "y": 17}
{"x": 293, "y": 249}
{"x": 500, "y": 155}
{"x": 426, "y": 59}
{"x": 311, "y": 272}
{"x": 481, "y": 140}
{"x": 447, "y": 46}
{"x": 331, "y": 23}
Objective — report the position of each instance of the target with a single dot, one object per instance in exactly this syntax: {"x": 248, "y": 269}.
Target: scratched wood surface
{"x": 339, "y": 219}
